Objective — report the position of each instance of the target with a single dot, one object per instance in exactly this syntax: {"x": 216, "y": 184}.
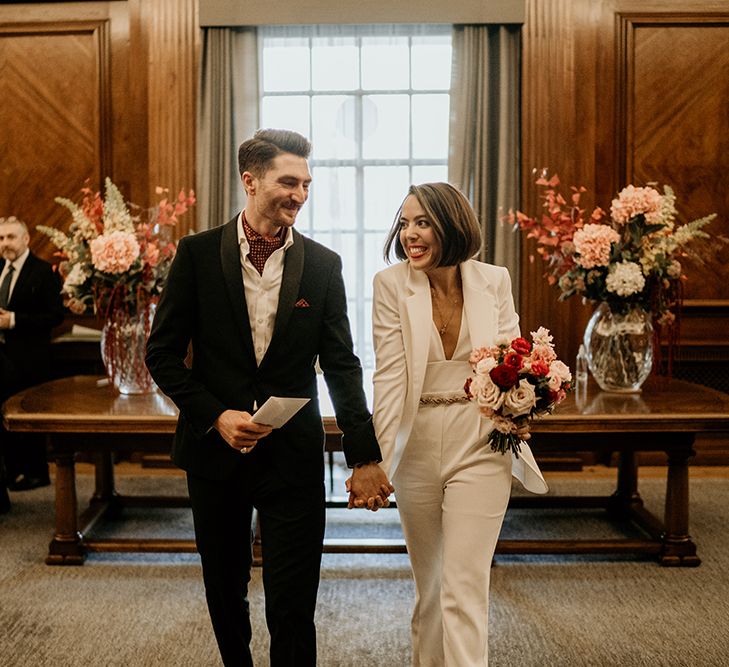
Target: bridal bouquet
{"x": 515, "y": 381}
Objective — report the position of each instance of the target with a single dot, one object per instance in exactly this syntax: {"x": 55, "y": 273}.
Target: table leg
{"x": 105, "y": 492}
{"x": 66, "y": 546}
{"x": 626, "y": 497}
{"x": 678, "y": 548}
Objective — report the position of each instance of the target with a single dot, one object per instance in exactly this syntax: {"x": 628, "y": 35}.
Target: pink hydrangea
{"x": 115, "y": 252}
{"x": 593, "y": 243}
{"x": 632, "y": 201}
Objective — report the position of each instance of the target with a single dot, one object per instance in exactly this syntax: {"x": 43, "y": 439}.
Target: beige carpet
{"x": 142, "y": 610}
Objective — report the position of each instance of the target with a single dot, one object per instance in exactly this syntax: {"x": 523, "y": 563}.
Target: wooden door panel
{"x": 53, "y": 114}
{"x": 678, "y": 131}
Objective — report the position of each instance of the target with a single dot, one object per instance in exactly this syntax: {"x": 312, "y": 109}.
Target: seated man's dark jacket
{"x": 38, "y": 307}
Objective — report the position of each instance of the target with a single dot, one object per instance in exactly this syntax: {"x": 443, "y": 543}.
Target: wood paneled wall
{"x": 614, "y": 91}
{"x": 631, "y": 91}
{"x": 95, "y": 89}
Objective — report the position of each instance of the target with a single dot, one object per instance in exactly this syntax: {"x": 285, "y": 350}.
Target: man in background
{"x": 30, "y": 306}
{"x": 260, "y": 303}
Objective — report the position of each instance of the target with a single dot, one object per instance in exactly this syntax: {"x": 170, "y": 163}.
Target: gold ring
{"x": 244, "y": 450}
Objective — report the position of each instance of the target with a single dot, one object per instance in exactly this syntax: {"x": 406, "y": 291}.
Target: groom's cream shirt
{"x": 402, "y": 320}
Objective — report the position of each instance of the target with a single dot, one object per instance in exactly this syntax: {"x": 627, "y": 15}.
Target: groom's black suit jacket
{"x": 204, "y": 304}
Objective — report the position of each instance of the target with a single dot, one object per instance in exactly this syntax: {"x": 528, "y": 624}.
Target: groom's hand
{"x": 239, "y": 431}
{"x": 368, "y": 487}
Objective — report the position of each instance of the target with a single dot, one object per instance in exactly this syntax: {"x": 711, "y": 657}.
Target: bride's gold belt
{"x": 443, "y": 398}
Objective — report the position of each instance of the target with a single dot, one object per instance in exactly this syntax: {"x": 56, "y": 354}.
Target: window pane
{"x": 385, "y": 63}
{"x": 334, "y": 198}
{"x": 303, "y": 220}
{"x": 386, "y": 130}
{"x": 286, "y": 67}
{"x": 335, "y": 63}
{"x": 430, "y": 126}
{"x": 373, "y": 259}
{"x": 431, "y": 63}
{"x": 430, "y": 173}
{"x": 333, "y": 132}
{"x": 385, "y": 188}
{"x": 290, "y": 112}
{"x": 368, "y": 101}
{"x": 366, "y": 351}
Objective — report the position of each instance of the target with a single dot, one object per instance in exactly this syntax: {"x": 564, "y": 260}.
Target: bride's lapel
{"x": 420, "y": 322}
{"x": 480, "y": 305}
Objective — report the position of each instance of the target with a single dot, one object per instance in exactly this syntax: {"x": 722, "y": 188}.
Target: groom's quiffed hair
{"x": 256, "y": 154}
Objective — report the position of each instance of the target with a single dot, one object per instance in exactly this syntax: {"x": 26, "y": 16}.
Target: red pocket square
{"x": 302, "y": 303}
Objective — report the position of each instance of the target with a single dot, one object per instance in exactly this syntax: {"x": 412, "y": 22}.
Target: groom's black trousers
{"x": 291, "y": 520}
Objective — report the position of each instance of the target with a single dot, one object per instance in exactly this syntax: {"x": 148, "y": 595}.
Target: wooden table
{"x": 79, "y": 416}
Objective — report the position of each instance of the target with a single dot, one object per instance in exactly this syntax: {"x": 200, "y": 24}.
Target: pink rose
{"x": 478, "y": 354}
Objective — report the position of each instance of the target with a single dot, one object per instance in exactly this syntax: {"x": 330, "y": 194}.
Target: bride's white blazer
{"x": 402, "y": 320}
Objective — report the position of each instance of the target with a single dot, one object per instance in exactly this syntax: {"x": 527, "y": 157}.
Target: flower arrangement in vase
{"x": 114, "y": 260}
{"x": 626, "y": 262}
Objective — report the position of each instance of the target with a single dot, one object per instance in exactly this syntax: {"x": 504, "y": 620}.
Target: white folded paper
{"x": 277, "y": 410}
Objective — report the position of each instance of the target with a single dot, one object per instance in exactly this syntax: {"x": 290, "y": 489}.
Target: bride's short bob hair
{"x": 452, "y": 219}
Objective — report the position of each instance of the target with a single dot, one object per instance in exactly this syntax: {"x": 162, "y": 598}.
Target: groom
{"x": 258, "y": 303}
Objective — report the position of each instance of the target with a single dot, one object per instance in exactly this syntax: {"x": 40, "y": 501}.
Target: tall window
{"x": 374, "y": 100}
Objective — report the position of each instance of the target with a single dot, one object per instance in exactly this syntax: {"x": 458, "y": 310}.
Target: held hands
{"x": 239, "y": 431}
{"x": 368, "y": 487}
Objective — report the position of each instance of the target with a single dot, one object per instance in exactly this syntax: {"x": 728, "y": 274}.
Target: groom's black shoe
{"x": 25, "y": 483}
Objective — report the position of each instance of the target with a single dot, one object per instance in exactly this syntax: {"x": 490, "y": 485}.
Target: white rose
{"x": 519, "y": 400}
{"x": 487, "y": 394}
{"x": 485, "y": 365}
{"x": 559, "y": 372}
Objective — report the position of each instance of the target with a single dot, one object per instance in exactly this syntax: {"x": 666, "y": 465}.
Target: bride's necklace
{"x": 444, "y": 322}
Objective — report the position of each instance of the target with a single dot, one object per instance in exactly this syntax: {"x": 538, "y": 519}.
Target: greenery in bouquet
{"x": 116, "y": 254}
{"x": 515, "y": 381}
{"x": 628, "y": 258}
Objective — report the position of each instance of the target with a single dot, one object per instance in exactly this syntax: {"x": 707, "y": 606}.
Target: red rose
{"x": 514, "y": 360}
{"x": 504, "y": 377}
{"x": 521, "y": 345}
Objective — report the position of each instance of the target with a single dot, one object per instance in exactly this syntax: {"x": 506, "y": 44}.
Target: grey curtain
{"x": 483, "y": 158}
{"x": 228, "y": 113}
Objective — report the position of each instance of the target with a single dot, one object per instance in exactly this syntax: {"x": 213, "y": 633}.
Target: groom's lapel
{"x": 233, "y": 275}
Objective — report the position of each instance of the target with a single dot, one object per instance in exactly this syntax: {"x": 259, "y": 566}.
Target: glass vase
{"x": 619, "y": 348}
{"x": 123, "y": 346}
